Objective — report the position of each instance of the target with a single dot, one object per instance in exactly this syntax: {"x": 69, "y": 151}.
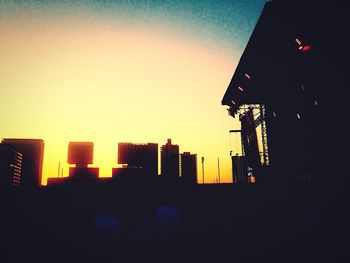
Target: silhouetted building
{"x": 54, "y": 181}
{"x": 239, "y": 169}
{"x": 130, "y": 175}
{"x": 126, "y": 172}
{"x": 81, "y": 154}
{"x": 32, "y": 160}
{"x": 290, "y": 67}
{"x": 10, "y": 166}
{"x": 87, "y": 172}
{"x": 169, "y": 161}
{"x": 189, "y": 168}
{"x": 143, "y": 156}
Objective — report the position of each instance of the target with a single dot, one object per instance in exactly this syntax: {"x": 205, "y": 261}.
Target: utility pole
{"x": 219, "y": 170}
{"x": 58, "y": 172}
{"x": 203, "y": 168}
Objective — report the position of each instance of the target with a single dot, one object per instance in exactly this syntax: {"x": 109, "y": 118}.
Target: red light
{"x": 306, "y": 48}
{"x": 300, "y": 47}
{"x": 240, "y": 88}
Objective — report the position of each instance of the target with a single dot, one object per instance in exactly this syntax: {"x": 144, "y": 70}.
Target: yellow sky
{"x": 75, "y": 82}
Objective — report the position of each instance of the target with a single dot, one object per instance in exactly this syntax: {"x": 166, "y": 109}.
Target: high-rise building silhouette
{"x": 81, "y": 154}
{"x": 169, "y": 161}
{"x": 141, "y": 156}
{"x": 189, "y": 168}
{"x": 10, "y": 166}
{"x": 32, "y": 160}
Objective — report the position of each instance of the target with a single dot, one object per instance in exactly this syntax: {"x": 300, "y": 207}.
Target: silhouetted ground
{"x": 222, "y": 223}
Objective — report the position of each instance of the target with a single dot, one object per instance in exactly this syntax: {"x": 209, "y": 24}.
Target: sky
{"x": 122, "y": 71}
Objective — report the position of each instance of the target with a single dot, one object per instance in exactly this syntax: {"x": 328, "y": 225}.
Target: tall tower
{"x": 169, "y": 160}
{"x": 189, "y": 168}
{"x": 32, "y": 160}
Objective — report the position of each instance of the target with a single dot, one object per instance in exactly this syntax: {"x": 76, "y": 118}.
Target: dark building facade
{"x": 290, "y": 66}
{"x": 81, "y": 154}
{"x": 84, "y": 172}
{"x": 169, "y": 161}
{"x": 54, "y": 181}
{"x": 10, "y": 166}
{"x": 32, "y": 160}
{"x": 143, "y": 156}
{"x": 189, "y": 168}
{"x": 126, "y": 172}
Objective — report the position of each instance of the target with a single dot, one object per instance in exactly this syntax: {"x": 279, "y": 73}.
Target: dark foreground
{"x": 216, "y": 223}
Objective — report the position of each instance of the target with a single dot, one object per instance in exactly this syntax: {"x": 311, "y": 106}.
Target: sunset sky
{"x": 122, "y": 71}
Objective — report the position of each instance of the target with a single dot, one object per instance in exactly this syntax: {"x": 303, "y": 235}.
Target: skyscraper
{"x": 32, "y": 160}
{"x": 189, "y": 168}
{"x": 142, "y": 156}
{"x": 10, "y": 166}
{"x": 169, "y": 160}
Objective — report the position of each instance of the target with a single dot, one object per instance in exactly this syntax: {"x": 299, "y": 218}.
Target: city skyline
{"x": 106, "y": 72}
{"x": 146, "y": 159}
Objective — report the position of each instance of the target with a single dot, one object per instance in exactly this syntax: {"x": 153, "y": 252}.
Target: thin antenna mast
{"x": 219, "y": 170}
{"x": 203, "y": 168}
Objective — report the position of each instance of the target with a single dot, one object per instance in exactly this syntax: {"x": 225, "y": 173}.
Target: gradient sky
{"x": 122, "y": 71}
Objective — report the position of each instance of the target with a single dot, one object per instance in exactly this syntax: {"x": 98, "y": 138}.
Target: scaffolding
{"x": 259, "y": 119}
